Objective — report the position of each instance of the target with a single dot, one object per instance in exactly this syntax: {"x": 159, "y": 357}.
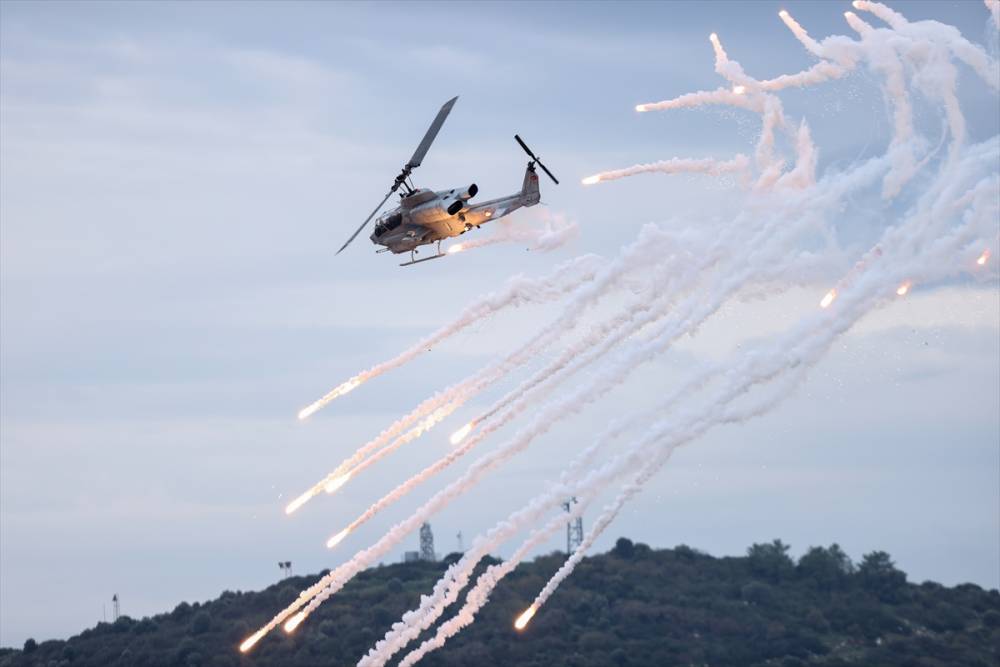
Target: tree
{"x": 879, "y": 576}
{"x": 30, "y": 645}
{"x": 770, "y": 561}
{"x": 624, "y": 548}
{"x": 828, "y": 568}
{"x": 201, "y": 624}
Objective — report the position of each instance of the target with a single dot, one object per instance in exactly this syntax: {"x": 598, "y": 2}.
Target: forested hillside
{"x": 633, "y": 606}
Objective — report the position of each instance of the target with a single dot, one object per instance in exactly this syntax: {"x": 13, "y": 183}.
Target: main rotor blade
{"x": 432, "y": 131}
{"x": 525, "y": 147}
{"x": 367, "y": 220}
{"x": 546, "y": 170}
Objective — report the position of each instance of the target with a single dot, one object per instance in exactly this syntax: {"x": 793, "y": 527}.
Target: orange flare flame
{"x": 985, "y": 257}
{"x": 904, "y": 288}
{"x": 335, "y": 540}
{"x": 334, "y": 484}
{"x": 596, "y": 178}
{"x": 459, "y": 435}
{"x": 523, "y": 620}
{"x": 294, "y": 621}
{"x": 828, "y": 299}
{"x": 251, "y": 640}
{"x": 337, "y": 392}
{"x": 300, "y": 501}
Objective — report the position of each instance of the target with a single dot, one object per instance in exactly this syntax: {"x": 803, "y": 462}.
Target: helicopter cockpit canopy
{"x": 388, "y": 222}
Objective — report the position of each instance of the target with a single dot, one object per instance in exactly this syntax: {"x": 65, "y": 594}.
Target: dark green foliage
{"x": 878, "y": 575}
{"x": 632, "y": 607}
{"x": 624, "y": 548}
{"x": 770, "y": 561}
{"x": 828, "y": 569}
{"x": 201, "y": 623}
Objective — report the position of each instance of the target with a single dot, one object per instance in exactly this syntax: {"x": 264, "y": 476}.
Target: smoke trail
{"x": 553, "y": 232}
{"x": 430, "y": 607}
{"x": 905, "y": 282}
{"x": 518, "y": 291}
{"x": 698, "y": 309}
{"x": 740, "y": 163}
{"x": 695, "y": 310}
{"x": 908, "y": 256}
{"x": 994, "y": 7}
{"x": 631, "y": 259}
{"x": 478, "y": 596}
{"x": 651, "y": 468}
{"x": 815, "y": 339}
{"x": 942, "y": 34}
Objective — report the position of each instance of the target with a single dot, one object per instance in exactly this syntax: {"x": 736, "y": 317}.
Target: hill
{"x": 633, "y": 606}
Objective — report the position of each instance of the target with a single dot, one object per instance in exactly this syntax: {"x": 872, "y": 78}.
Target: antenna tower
{"x": 574, "y": 528}
{"x": 427, "y": 543}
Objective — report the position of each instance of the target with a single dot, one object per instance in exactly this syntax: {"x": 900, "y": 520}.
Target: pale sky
{"x": 177, "y": 177}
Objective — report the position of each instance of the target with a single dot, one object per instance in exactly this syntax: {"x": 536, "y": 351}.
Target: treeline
{"x": 633, "y": 606}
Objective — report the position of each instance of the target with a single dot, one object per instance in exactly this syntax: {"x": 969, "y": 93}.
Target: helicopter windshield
{"x": 388, "y": 223}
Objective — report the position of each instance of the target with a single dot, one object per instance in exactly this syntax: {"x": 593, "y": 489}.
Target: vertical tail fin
{"x": 529, "y": 190}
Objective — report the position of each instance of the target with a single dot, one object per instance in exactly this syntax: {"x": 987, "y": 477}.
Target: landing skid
{"x": 413, "y": 253}
{"x": 425, "y": 259}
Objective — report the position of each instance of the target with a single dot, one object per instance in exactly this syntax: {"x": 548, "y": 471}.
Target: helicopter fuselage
{"x": 427, "y": 216}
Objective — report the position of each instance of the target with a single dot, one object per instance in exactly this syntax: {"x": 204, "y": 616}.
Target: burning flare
{"x": 334, "y": 484}
{"x": 336, "y": 392}
{"x": 459, "y": 435}
{"x": 294, "y": 621}
{"x": 458, "y": 247}
{"x": 904, "y": 288}
{"x": 251, "y": 640}
{"x": 336, "y": 539}
{"x": 828, "y": 299}
{"x": 523, "y": 620}
{"x": 592, "y": 180}
{"x": 301, "y": 500}
{"x": 985, "y": 257}
{"x": 739, "y": 90}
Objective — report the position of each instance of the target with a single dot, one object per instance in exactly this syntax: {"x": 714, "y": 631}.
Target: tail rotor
{"x": 535, "y": 159}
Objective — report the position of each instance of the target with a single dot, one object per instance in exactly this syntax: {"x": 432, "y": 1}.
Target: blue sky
{"x": 176, "y": 177}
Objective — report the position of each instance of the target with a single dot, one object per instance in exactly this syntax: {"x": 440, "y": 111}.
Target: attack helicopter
{"x": 427, "y": 216}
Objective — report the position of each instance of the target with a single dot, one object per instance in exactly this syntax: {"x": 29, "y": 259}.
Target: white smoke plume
{"x": 738, "y": 164}
{"x": 518, "y": 291}
{"x": 947, "y": 225}
{"x": 542, "y": 233}
{"x": 785, "y": 360}
{"x": 463, "y": 619}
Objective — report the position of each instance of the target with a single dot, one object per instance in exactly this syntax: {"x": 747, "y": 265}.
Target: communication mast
{"x": 574, "y": 528}
{"x": 427, "y": 543}
{"x": 461, "y": 546}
